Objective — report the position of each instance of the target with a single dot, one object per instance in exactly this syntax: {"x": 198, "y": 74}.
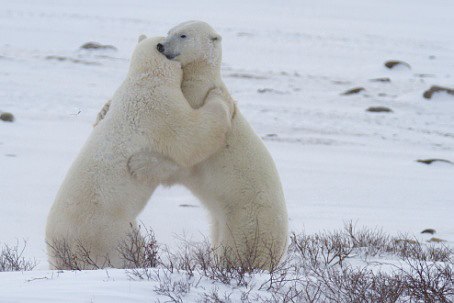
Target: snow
{"x": 337, "y": 162}
{"x": 109, "y": 286}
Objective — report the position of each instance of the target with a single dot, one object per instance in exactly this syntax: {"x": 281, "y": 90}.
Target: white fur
{"x": 239, "y": 184}
{"x": 149, "y": 122}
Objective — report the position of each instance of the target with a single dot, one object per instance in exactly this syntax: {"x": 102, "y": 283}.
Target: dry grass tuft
{"x": 12, "y": 259}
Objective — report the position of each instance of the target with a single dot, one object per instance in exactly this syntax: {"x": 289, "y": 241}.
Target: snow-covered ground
{"x": 287, "y": 65}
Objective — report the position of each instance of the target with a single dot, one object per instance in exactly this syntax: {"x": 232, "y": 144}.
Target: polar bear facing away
{"x": 239, "y": 184}
{"x": 105, "y": 189}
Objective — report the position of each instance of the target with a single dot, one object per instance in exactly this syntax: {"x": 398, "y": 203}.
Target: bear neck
{"x": 149, "y": 80}
{"x": 198, "y": 78}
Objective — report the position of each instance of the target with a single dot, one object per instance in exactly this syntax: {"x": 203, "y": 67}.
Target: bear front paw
{"x": 221, "y": 95}
{"x": 149, "y": 167}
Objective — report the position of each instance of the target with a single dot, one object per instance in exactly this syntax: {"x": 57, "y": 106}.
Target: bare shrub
{"x": 371, "y": 241}
{"x": 426, "y": 274}
{"x": 413, "y": 249}
{"x": 215, "y": 297}
{"x": 334, "y": 247}
{"x": 12, "y": 259}
{"x": 136, "y": 251}
{"x": 429, "y": 281}
{"x": 173, "y": 289}
{"x": 200, "y": 258}
{"x": 358, "y": 285}
{"x": 139, "y": 251}
{"x": 74, "y": 257}
{"x": 322, "y": 249}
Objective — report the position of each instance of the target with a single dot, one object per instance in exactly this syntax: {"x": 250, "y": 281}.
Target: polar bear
{"x": 239, "y": 184}
{"x": 105, "y": 189}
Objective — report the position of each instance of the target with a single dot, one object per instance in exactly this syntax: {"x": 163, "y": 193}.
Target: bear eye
{"x": 183, "y": 36}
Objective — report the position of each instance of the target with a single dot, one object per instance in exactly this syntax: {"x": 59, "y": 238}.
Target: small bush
{"x": 12, "y": 259}
{"x": 139, "y": 251}
{"x": 74, "y": 257}
{"x": 136, "y": 251}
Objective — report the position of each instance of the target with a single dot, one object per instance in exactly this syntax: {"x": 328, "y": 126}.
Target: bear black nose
{"x": 160, "y": 47}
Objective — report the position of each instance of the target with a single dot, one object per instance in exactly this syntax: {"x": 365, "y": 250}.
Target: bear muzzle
{"x": 161, "y": 48}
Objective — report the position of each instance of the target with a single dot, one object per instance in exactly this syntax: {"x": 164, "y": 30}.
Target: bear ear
{"x": 142, "y": 37}
{"x": 216, "y": 38}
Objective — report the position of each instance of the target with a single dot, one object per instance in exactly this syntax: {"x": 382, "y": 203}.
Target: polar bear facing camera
{"x": 109, "y": 183}
{"x": 239, "y": 185}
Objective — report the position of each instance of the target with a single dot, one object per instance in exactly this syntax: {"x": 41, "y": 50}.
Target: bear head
{"x": 192, "y": 41}
{"x": 147, "y": 61}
